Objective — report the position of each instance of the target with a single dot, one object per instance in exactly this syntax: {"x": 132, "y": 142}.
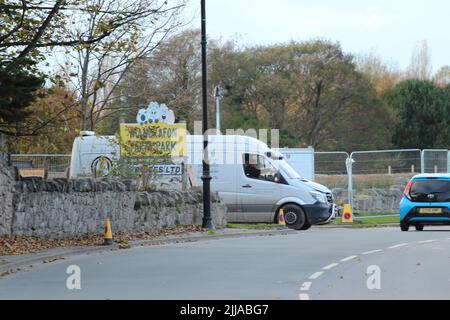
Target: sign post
{"x": 155, "y": 144}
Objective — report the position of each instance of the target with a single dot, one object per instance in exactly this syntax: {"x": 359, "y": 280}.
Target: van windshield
{"x": 286, "y": 167}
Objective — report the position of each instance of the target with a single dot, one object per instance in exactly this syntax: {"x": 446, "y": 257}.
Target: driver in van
{"x": 251, "y": 167}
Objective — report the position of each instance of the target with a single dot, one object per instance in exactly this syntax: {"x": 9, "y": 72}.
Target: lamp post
{"x": 206, "y": 177}
{"x": 218, "y": 96}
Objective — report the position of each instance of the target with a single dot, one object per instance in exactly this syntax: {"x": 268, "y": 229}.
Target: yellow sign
{"x": 153, "y": 139}
{"x": 347, "y": 215}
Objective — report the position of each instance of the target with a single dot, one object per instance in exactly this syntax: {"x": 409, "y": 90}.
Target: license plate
{"x": 430, "y": 210}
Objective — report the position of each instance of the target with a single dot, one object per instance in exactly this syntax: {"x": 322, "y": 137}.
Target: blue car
{"x": 426, "y": 201}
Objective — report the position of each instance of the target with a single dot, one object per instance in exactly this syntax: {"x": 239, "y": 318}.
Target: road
{"x": 321, "y": 263}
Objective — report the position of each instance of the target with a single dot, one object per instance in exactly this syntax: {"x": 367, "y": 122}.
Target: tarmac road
{"x": 321, "y": 263}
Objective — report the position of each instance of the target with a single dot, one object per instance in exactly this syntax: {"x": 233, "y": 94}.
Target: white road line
{"x": 305, "y": 286}
{"x": 348, "y": 258}
{"x": 303, "y": 296}
{"x": 330, "y": 266}
{"x": 373, "y": 251}
{"x": 315, "y": 275}
{"x": 398, "y": 245}
{"x": 426, "y": 241}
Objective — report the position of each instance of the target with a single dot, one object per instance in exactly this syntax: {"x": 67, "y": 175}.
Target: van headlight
{"x": 319, "y": 196}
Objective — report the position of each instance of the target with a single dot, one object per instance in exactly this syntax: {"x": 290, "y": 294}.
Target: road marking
{"x": 330, "y": 266}
{"x": 348, "y": 258}
{"x": 426, "y": 241}
{"x": 373, "y": 251}
{"x": 315, "y": 275}
{"x": 305, "y": 286}
{"x": 398, "y": 245}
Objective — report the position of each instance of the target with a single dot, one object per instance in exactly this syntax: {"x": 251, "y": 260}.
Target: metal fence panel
{"x": 55, "y": 164}
{"x": 378, "y": 178}
{"x": 448, "y": 162}
{"x": 435, "y": 160}
{"x": 331, "y": 171}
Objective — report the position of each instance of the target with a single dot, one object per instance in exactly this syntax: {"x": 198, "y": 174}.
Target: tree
{"x": 304, "y": 89}
{"x": 171, "y": 74}
{"x": 54, "y": 109}
{"x": 174, "y": 75}
{"x": 442, "y": 77}
{"x": 106, "y": 33}
{"x": 23, "y": 27}
{"x": 18, "y": 89}
{"x": 327, "y": 83}
{"x": 101, "y": 64}
{"x": 29, "y": 25}
{"x": 420, "y": 66}
{"x": 382, "y": 75}
{"x": 235, "y": 71}
{"x": 423, "y": 111}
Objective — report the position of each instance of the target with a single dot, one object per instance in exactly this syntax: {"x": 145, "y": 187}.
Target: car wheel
{"x": 404, "y": 226}
{"x": 419, "y": 227}
{"x": 294, "y": 217}
{"x": 306, "y": 226}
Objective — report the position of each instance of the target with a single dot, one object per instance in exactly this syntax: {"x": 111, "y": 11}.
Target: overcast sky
{"x": 392, "y": 28}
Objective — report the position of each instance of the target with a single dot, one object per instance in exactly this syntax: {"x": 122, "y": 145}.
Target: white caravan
{"x": 254, "y": 181}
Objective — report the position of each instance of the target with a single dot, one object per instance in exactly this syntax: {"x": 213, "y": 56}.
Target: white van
{"x": 91, "y": 154}
{"x": 254, "y": 181}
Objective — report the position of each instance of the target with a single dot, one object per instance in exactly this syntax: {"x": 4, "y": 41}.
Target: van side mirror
{"x": 273, "y": 155}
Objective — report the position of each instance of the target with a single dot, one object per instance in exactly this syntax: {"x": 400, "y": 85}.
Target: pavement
{"x": 321, "y": 263}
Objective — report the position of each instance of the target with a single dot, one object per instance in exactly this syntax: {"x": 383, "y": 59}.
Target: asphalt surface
{"x": 321, "y": 263}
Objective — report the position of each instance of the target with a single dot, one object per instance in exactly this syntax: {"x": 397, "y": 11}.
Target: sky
{"x": 391, "y": 29}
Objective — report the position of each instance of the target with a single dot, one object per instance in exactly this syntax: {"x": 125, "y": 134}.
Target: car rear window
{"x": 430, "y": 190}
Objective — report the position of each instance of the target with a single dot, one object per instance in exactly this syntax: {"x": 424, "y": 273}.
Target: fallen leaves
{"x": 18, "y": 245}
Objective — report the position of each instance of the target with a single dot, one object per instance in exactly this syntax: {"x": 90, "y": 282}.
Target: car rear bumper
{"x": 415, "y": 216}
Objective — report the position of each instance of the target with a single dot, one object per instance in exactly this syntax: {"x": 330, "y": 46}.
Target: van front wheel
{"x": 295, "y": 217}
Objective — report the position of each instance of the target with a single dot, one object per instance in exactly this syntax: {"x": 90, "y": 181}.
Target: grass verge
{"x": 375, "y": 214}
{"x": 369, "y": 222}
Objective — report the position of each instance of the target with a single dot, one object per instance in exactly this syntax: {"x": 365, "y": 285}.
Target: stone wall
{"x": 6, "y": 196}
{"x": 62, "y": 207}
{"x": 377, "y": 200}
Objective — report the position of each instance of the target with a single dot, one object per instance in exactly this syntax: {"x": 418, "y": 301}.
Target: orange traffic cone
{"x": 281, "y": 218}
{"x": 108, "y": 233}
